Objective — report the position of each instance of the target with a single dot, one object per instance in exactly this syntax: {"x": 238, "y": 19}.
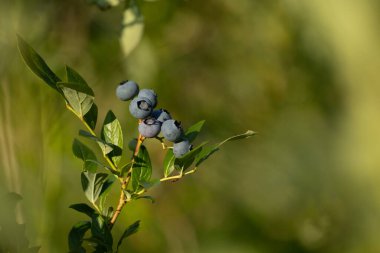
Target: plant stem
{"x": 124, "y": 185}
{"x": 179, "y": 176}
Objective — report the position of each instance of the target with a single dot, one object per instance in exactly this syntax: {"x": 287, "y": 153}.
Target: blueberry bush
{"x": 134, "y": 178}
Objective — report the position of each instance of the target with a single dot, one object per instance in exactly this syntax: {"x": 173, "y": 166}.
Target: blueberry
{"x": 149, "y": 94}
{"x": 150, "y": 127}
{"x": 161, "y": 115}
{"x": 181, "y": 148}
{"x": 127, "y": 90}
{"x": 171, "y": 130}
{"x": 140, "y": 108}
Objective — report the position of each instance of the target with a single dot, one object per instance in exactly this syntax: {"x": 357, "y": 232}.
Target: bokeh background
{"x": 304, "y": 74}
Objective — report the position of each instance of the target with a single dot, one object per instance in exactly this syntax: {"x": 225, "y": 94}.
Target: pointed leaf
{"x": 105, "y": 147}
{"x": 37, "y": 64}
{"x": 193, "y": 131}
{"x": 112, "y": 133}
{"x": 208, "y": 151}
{"x": 79, "y": 97}
{"x": 76, "y": 236}
{"x": 92, "y": 184}
{"x": 185, "y": 161}
{"x": 83, "y": 208}
{"x": 128, "y": 232}
{"x": 143, "y": 169}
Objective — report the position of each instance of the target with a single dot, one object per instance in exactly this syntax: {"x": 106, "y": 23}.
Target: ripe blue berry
{"x": 171, "y": 130}
{"x": 149, "y": 94}
{"x": 181, "y": 148}
{"x": 161, "y": 115}
{"x": 150, "y": 127}
{"x": 127, "y": 90}
{"x": 140, "y": 108}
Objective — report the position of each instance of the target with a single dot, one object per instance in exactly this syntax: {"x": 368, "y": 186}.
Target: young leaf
{"x": 37, "y": 64}
{"x": 112, "y": 133}
{"x": 169, "y": 163}
{"x": 76, "y": 235}
{"x": 143, "y": 169}
{"x": 128, "y": 232}
{"x": 193, "y": 131}
{"x": 92, "y": 184}
{"x": 83, "y": 208}
{"x": 83, "y": 152}
{"x": 79, "y": 97}
{"x": 208, "y": 151}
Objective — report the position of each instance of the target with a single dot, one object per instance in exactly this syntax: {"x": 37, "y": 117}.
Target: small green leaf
{"x": 91, "y": 116}
{"x": 92, "y": 184}
{"x": 208, "y": 151}
{"x": 105, "y": 147}
{"x": 193, "y": 131}
{"x": 112, "y": 133}
{"x": 83, "y": 152}
{"x": 83, "y": 208}
{"x": 128, "y": 232}
{"x": 169, "y": 162}
{"x": 79, "y": 97}
{"x": 143, "y": 169}
{"x": 37, "y": 64}
{"x": 76, "y": 235}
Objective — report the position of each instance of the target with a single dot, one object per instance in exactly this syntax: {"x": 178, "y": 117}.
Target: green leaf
{"x": 91, "y": 116}
{"x": 83, "y": 208}
{"x": 105, "y": 147}
{"x": 185, "y": 161}
{"x": 37, "y": 64}
{"x": 79, "y": 97}
{"x": 83, "y": 152}
{"x": 128, "y": 232}
{"x": 193, "y": 131}
{"x": 144, "y": 197}
{"x": 104, "y": 192}
{"x": 112, "y": 133}
{"x": 208, "y": 151}
{"x": 76, "y": 235}
{"x": 92, "y": 184}
{"x": 143, "y": 169}
{"x": 169, "y": 162}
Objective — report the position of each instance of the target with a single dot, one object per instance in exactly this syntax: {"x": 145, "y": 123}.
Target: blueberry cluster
{"x": 153, "y": 121}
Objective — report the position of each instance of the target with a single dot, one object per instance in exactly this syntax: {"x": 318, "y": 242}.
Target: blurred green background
{"x": 304, "y": 74}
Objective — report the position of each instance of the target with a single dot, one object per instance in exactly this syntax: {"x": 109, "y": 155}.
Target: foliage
{"x": 134, "y": 178}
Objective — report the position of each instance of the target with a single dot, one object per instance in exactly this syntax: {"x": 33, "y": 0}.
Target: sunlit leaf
{"x": 169, "y": 163}
{"x": 92, "y": 184}
{"x": 143, "y": 169}
{"x": 112, "y": 133}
